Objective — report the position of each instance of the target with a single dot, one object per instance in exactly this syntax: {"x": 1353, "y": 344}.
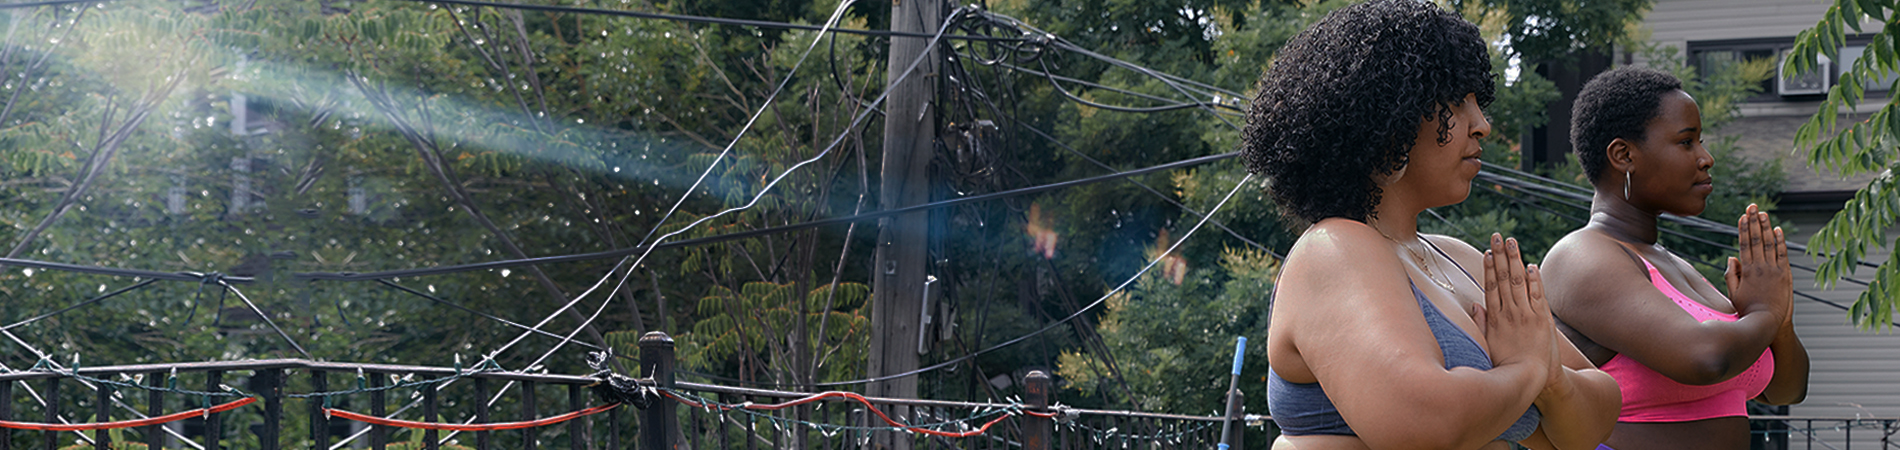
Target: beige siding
{"x": 1675, "y": 23}
{"x": 1853, "y": 372}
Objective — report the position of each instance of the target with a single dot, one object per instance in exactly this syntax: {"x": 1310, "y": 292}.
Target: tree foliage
{"x": 1856, "y": 147}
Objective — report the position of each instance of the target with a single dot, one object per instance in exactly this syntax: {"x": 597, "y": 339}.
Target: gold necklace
{"x": 1418, "y": 259}
{"x": 1431, "y": 274}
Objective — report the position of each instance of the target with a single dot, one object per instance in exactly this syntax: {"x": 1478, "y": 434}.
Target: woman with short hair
{"x": 1686, "y": 357}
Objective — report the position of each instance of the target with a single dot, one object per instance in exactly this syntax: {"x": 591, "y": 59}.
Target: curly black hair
{"x": 1615, "y": 104}
{"x": 1342, "y": 103}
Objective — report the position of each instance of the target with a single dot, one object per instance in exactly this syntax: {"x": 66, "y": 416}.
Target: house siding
{"x": 1676, "y": 23}
{"x": 1853, "y": 372}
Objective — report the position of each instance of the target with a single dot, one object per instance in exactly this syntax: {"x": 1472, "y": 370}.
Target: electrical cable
{"x": 1072, "y": 97}
{"x": 1159, "y": 194}
{"x": 767, "y": 188}
{"x": 466, "y": 309}
{"x": 708, "y": 20}
{"x": 836, "y": 15}
{"x": 266, "y": 317}
{"x": 350, "y": 276}
{"x": 98, "y": 299}
{"x": 117, "y": 272}
{"x": 1235, "y": 110}
{"x": 1078, "y": 313}
{"x": 23, "y": 5}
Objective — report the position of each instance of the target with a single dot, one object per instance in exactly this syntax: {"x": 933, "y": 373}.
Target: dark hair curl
{"x": 1342, "y": 103}
{"x": 1616, "y": 104}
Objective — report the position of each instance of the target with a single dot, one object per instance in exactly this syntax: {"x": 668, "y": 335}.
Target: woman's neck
{"x": 1622, "y": 220}
{"x": 1395, "y": 221}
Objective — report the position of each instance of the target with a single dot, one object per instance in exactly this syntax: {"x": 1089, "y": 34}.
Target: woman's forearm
{"x": 1790, "y": 382}
{"x": 1580, "y": 412}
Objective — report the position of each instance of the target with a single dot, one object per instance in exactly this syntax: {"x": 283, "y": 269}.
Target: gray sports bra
{"x": 1304, "y": 409}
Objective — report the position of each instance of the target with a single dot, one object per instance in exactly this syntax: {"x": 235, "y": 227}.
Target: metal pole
{"x": 52, "y": 412}
{"x": 273, "y": 393}
{"x": 379, "y": 407}
{"x": 154, "y": 406}
{"x": 1233, "y": 394}
{"x": 213, "y": 422}
{"x": 658, "y": 422}
{"x": 528, "y": 435}
{"x": 6, "y": 413}
{"x": 319, "y": 422}
{"x": 481, "y": 412}
{"x": 102, "y": 412}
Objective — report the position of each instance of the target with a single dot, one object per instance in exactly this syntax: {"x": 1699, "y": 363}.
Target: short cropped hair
{"x": 1615, "y": 104}
{"x": 1342, "y": 103}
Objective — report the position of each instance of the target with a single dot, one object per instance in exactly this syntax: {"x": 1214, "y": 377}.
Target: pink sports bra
{"x": 1649, "y": 396}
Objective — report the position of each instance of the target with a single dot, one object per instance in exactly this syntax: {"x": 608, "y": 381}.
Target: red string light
{"x": 365, "y": 418}
{"x": 235, "y": 404}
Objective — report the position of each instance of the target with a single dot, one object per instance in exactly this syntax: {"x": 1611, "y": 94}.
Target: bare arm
{"x": 1579, "y": 402}
{"x": 1367, "y": 342}
{"x": 1580, "y": 405}
{"x": 1600, "y": 292}
{"x": 1790, "y": 383}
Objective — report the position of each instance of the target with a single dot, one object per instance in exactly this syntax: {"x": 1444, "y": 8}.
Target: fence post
{"x": 378, "y": 406}
{"x": 481, "y": 412}
{"x": 102, "y": 412}
{"x": 319, "y": 422}
{"x": 430, "y": 414}
{"x": 578, "y": 436}
{"x": 1037, "y": 430}
{"x": 658, "y": 423}
{"x": 1236, "y": 426}
{"x": 214, "y": 423}
{"x": 529, "y": 436}
{"x": 52, "y": 411}
{"x": 6, "y": 413}
{"x": 154, "y": 407}
{"x": 273, "y": 391}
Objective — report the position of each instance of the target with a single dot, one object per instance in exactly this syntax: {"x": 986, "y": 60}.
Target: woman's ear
{"x": 1621, "y": 155}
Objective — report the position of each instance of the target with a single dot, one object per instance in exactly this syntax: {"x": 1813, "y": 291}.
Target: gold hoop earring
{"x": 1626, "y": 185}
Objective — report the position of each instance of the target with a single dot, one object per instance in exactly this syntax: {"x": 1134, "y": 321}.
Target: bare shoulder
{"x": 1334, "y": 256}
{"x": 1589, "y": 266}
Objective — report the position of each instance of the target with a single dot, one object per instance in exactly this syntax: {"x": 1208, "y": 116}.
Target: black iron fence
{"x": 1781, "y": 432}
{"x": 303, "y": 404}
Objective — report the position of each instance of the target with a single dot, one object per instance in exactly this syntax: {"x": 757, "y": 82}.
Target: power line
{"x": 117, "y": 272}
{"x": 1151, "y": 190}
{"x": 351, "y": 276}
{"x": 712, "y": 20}
{"x": 829, "y": 23}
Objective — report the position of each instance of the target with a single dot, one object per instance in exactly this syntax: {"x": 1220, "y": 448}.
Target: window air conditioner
{"x": 1814, "y": 82}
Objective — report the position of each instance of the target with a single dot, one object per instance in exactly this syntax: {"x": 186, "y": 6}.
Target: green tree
{"x": 1852, "y": 148}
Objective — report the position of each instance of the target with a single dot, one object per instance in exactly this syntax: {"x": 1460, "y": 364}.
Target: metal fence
{"x": 303, "y": 404}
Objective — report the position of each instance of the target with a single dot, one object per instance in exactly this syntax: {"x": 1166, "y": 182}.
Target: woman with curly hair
{"x": 1383, "y": 337}
{"x": 1686, "y": 357}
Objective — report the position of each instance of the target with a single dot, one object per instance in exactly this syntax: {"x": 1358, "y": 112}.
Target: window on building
{"x": 1851, "y": 54}
{"x": 1711, "y": 57}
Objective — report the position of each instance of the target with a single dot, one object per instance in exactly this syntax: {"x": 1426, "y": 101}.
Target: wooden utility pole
{"x": 898, "y": 288}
